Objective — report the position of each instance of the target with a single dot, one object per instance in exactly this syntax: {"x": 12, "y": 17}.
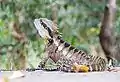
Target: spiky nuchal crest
{"x": 46, "y": 28}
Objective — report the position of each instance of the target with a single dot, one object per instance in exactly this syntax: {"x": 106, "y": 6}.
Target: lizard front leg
{"x": 43, "y": 61}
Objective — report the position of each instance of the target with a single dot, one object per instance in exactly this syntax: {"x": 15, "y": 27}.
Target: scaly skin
{"x": 66, "y": 57}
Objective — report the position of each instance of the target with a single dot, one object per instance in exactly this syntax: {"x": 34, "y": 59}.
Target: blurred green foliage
{"x": 78, "y": 21}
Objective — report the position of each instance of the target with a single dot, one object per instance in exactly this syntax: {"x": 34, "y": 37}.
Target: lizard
{"x": 66, "y": 57}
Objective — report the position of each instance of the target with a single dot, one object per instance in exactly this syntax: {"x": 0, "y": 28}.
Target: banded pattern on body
{"x": 61, "y": 52}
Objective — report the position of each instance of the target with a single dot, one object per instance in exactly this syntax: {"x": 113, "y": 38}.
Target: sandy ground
{"x": 42, "y": 76}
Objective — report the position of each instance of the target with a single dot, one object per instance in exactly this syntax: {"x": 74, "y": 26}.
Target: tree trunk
{"x": 107, "y": 35}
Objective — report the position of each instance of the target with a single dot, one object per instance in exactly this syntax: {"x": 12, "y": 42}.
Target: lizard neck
{"x": 65, "y": 48}
{"x": 61, "y": 48}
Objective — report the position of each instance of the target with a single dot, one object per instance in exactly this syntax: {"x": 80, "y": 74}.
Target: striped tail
{"x": 99, "y": 65}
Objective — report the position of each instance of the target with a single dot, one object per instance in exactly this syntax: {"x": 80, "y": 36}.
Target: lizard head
{"x": 46, "y": 28}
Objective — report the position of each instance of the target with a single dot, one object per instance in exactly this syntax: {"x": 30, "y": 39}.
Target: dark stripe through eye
{"x": 44, "y": 25}
{"x": 47, "y": 28}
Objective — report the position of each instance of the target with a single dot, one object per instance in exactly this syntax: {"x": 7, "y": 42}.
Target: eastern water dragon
{"x": 66, "y": 57}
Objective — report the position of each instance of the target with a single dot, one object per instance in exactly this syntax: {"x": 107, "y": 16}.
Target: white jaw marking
{"x": 38, "y": 25}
